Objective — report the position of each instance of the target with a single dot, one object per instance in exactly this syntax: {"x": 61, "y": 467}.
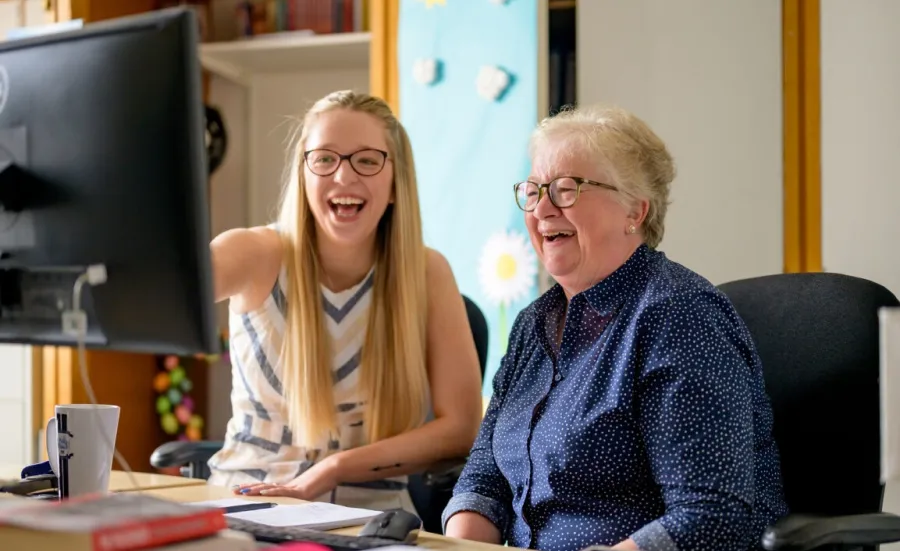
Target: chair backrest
{"x": 430, "y": 501}
{"x": 479, "y": 326}
{"x": 817, "y": 336}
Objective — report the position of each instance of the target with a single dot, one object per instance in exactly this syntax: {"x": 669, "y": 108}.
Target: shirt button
{"x": 557, "y": 377}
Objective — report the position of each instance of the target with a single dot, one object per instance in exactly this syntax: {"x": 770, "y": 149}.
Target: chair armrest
{"x": 802, "y": 532}
{"x": 178, "y": 453}
{"x": 445, "y": 473}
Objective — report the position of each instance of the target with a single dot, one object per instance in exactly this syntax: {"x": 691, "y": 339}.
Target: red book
{"x": 118, "y": 522}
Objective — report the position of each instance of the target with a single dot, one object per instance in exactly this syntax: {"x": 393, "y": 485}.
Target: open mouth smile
{"x": 346, "y": 207}
{"x": 556, "y": 236}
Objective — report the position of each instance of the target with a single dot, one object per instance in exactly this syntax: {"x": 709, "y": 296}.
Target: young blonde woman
{"x": 346, "y": 331}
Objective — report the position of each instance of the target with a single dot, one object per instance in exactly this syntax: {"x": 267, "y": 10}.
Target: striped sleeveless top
{"x": 259, "y": 445}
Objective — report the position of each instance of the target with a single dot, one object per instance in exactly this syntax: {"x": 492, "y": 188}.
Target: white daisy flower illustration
{"x": 508, "y": 271}
{"x": 508, "y": 267}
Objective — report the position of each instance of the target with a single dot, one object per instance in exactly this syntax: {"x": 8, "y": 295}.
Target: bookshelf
{"x": 288, "y": 52}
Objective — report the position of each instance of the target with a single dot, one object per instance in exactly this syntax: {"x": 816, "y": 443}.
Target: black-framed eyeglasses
{"x": 365, "y": 162}
{"x": 563, "y": 191}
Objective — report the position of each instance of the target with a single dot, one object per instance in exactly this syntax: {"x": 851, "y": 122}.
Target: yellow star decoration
{"x": 429, "y": 3}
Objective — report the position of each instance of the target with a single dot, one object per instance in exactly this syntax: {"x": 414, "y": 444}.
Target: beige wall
{"x": 706, "y": 75}
{"x": 861, "y": 139}
{"x": 16, "y": 13}
{"x": 861, "y": 147}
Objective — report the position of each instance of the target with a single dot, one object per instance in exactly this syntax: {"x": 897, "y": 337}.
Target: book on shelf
{"x": 116, "y": 522}
{"x": 261, "y": 17}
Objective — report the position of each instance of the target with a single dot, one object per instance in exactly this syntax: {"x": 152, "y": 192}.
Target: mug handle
{"x": 51, "y": 435}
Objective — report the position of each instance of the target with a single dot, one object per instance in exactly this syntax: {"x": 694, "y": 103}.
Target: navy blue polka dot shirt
{"x": 648, "y": 421}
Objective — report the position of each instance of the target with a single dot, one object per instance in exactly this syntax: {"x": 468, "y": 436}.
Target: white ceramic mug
{"x": 81, "y": 442}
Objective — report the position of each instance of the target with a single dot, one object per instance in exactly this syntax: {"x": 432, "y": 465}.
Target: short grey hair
{"x": 624, "y": 145}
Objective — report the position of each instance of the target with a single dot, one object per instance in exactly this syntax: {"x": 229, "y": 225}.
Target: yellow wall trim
{"x": 802, "y": 136}
{"x": 384, "y": 17}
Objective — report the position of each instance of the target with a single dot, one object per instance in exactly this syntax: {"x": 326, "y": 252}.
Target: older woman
{"x": 629, "y": 410}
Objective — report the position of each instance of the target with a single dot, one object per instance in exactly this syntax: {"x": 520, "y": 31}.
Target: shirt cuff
{"x": 490, "y": 509}
{"x": 654, "y": 537}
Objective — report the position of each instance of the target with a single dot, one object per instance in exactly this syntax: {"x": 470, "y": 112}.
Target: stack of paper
{"x": 313, "y": 515}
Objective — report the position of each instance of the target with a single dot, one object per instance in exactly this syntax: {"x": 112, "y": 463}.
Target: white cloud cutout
{"x": 425, "y": 71}
{"x": 491, "y": 82}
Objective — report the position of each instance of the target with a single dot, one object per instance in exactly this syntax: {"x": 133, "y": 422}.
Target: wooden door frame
{"x": 801, "y": 62}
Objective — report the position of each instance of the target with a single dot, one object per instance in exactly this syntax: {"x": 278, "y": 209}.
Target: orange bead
{"x": 193, "y": 433}
{"x": 161, "y": 382}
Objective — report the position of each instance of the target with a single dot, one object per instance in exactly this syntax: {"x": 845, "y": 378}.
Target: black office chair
{"x": 818, "y": 338}
{"x": 430, "y": 491}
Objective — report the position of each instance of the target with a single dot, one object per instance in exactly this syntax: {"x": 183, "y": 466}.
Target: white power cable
{"x": 75, "y": 324}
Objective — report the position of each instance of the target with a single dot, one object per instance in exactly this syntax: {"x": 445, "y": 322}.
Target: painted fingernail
{"x": 245, "y": 490}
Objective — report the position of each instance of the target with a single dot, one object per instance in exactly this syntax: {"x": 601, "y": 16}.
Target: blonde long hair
{"x": 393, "y": 377}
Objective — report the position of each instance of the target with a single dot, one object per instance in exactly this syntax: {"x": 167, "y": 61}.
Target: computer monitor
{"x": 102, "y": 161}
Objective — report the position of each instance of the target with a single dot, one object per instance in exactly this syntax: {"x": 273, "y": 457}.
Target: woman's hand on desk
{"x": 319, "y": 479}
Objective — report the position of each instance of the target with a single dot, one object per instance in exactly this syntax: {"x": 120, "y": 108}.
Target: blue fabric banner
{"x": 468, "y": 97}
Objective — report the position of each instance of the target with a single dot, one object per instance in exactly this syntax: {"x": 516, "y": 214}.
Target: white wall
{"x": 860, "y": 147}
{"x": 14, "y": 14}
{"x": 16, "y": 446}
{"x": 706, "y": 76}
{"x": 861, "y": 139}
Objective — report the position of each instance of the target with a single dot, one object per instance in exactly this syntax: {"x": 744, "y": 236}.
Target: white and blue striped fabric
{"x": 259, "y": 445}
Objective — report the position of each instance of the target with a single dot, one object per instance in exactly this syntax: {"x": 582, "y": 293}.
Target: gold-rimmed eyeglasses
{"x": 562, "y": 191}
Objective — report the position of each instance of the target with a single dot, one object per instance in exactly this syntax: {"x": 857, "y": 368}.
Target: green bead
{"x": 177, "y": 375}
{"x": 169, "y": 423}
{"x": 163, "y": 405}
{"x": 196, "y": 422}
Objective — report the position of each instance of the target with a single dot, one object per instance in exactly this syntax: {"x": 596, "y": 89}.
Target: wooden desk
{"x": 119, "y": 480}
{"x": 207, "y": 493}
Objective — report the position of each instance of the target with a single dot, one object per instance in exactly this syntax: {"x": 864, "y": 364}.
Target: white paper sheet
{"x": 889, "y": 320}
{"x": 316, "y": 515}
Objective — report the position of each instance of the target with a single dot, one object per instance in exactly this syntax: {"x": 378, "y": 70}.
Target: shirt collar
{"x": 605, "y": 297}
{"x": 608, "y": 295}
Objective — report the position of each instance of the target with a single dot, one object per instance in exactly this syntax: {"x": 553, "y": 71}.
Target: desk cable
{"x": 75, "y": 324}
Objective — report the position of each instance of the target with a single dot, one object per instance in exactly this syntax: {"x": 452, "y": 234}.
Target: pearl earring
{"x": 631, "y": 229}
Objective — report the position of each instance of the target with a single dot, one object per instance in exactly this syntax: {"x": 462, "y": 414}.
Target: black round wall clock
{"x": 216, "y": 138}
